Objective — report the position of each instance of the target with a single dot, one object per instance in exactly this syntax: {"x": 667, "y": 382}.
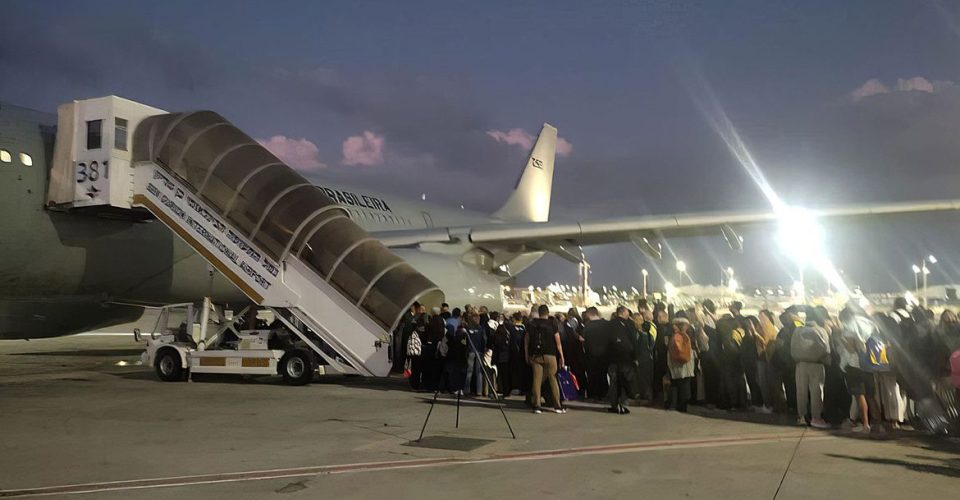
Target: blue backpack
{"x": 874, "y": 359}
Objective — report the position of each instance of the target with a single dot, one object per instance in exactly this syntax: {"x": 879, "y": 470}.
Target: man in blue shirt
{"x": 475, "y": 349}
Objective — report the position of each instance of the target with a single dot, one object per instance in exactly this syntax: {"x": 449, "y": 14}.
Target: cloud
{"x": 869, "y": 88}
{"x": 524, "y": 139}
{"x": 365, "y": 149}
{"x": 918, "y": 83}
{"x": 874, "y": 86}
{"x": 300, "y": 154}
{"x": 515, "y": 136}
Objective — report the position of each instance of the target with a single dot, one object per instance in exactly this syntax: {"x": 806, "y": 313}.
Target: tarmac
{"x": 81, "y": 419}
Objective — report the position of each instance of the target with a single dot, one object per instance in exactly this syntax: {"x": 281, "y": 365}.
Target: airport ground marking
{"x": 322, "y": 470}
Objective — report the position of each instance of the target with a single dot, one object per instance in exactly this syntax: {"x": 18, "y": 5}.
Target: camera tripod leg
{"x": 440, "y": 385}
{"x": 486, "y": 377}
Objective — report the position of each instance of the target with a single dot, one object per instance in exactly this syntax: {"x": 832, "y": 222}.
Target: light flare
{"x": 800, "y": 236}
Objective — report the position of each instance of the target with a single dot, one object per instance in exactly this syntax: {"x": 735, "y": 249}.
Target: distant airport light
{"x": 916, "y": 269}
{"x": 644, "y": 272}
{"x": 932, "y": 259}
{"x": 423, "y": 196}
{"x": 730, "y": 271}
{"x": 669, "y": 289}
{"x": 732, "y": 285}
{"x": 681, "y": 266}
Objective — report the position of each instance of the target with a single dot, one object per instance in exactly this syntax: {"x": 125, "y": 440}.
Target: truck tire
{"x": 168, "y": 365}
{"x": 296, "y": 367}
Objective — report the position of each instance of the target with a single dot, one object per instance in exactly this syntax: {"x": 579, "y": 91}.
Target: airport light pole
{"x": 644, "y": 273}
{"x": 725, "y": 272}
{"x": 916, "y": 279}
{"x": 681, "y": 269}
{"x": 926, "y": 271}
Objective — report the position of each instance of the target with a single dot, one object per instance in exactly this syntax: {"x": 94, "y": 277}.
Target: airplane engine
{"x": 461, "y": 282}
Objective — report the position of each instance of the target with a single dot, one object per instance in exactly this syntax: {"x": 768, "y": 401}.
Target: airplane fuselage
{"x": 68, "y": 272}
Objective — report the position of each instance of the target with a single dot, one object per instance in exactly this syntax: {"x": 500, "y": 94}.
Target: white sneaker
{"x": 860, "y": 429}
{"x": 765, "y": 410}
{"x": 801, "y": 421}
{"x": 819, "y": 423}
{"x": 537, "y": 411}
{"x": 559, "y": 410}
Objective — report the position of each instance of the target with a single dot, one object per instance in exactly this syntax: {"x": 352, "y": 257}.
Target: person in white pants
{"x": 810, "y": 347}
{"x": 810, "y": 377}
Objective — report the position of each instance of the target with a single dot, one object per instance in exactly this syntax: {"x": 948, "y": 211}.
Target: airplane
{"x": 70, "y": 271}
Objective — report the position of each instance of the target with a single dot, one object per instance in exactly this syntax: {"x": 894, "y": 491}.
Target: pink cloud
{"x": 869, "y": 88}
{"x": 516, "y": 136}
{"x": 917, "y": 83}
{"x": 300, "y": 154}
{"x": 524, "y": 139}
{"x": 365, "y": 149}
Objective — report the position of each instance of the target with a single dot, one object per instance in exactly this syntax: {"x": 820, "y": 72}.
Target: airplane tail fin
{"x": 530, "y": 200}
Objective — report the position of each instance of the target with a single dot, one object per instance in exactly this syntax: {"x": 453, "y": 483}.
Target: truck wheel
{"x": 296, "y": 367}
{"x": 168, "y": 365}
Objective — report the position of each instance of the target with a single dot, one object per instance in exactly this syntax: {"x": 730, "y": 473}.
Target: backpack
{"x": 443, "y": 347}
{"x": 732, "y": 342}
{"x": 807, "y": 345}
{"x": 414, "y": 346}
{"x": 874, "y": 359}
{"x": 955, "y": 369}
{"x": 678, "y": 349}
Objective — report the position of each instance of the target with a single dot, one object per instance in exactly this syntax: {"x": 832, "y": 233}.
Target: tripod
{"x": 486, "y": 378}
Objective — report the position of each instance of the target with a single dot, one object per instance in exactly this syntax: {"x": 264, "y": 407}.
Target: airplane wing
{"x": 645, "y": 231}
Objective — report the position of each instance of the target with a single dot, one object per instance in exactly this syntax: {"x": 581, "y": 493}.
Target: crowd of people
{"x": 860, "y": 368}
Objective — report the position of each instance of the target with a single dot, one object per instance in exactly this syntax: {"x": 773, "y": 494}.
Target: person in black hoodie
{"x": 517, "y": 363}
{"x": 713, "y": 386}
{"x": 596, "y": 340}
{"x": 623, "y": 351}
{"x": 431, "y": 365}
{"x": 783, "y": 360}
{"x": 500, "y": 344}
{"x": 661, "y": 377}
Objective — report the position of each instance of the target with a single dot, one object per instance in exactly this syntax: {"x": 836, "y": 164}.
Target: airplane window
{"x": 26, "y": 160}
{"x": 120, "y": 134}
{"x": 94, "y": 134}
{"x": 5, "y": 156}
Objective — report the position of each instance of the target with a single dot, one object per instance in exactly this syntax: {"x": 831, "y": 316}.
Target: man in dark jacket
{"x": 518, "y": 365}
{"x": 596, "y": 340}
{"x": 783, "y": 361}
{"x": 622, "y": 357}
